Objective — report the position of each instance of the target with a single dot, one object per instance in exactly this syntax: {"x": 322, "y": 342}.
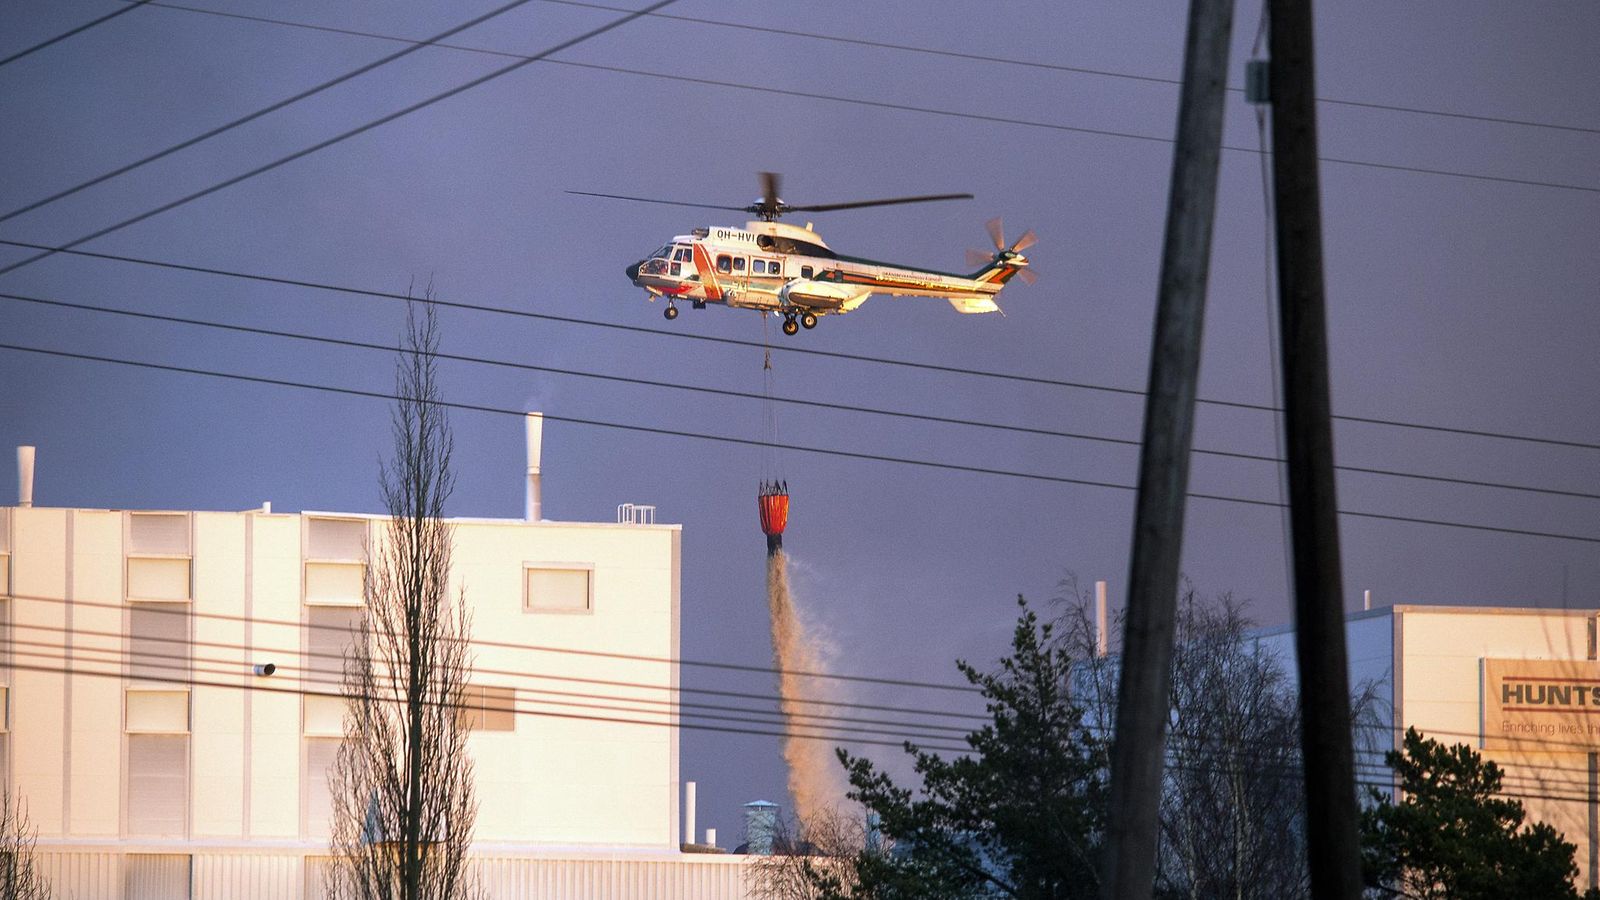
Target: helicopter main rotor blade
{"x": 997, "y": 233}
{"x": 891, "y": 201}
{"x": 654, "y": 200}
{"x": 1027, "y": 240}
{"x": 769, "y": 189}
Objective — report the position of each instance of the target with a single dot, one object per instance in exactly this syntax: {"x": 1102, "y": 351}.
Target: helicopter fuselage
{"x": 782, "y": 268}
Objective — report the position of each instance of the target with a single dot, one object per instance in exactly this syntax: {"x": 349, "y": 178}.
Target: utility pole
{"x": 1138, "y": 755}
{"x": 1331, "y": 826}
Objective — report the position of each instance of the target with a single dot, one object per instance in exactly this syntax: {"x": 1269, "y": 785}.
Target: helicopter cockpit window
{"x": 724, "y": 264}
{"x": 682, "y": 254}
{"x": 664, "y": 252}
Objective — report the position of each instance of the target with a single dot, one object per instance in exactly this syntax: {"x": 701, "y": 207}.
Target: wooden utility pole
{"x": 1146, "y": 681}
{"x": 1333, "y": 840}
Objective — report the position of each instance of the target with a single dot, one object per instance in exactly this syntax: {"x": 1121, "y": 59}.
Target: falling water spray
{"x": 815, "y": 779}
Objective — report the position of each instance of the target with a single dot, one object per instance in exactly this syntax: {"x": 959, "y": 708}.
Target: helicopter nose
{"x": 633, "y": 272}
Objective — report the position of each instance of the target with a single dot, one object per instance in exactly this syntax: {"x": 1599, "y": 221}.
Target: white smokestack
{"x": 1101, "y": 626}
{"x": 688, "y": 811}
{"x": 24, "y": 476}
{"x": 533, "y": 510}
{"x": 711, "y": 837}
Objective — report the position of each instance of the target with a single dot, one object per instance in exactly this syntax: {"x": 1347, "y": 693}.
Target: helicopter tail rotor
{"x": 1004, "y": 254}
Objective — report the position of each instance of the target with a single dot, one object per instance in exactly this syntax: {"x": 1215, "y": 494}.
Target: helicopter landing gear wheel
{"x": 671, "y": 312}
{"x": 790, "y": 326}
{"x": 809, "y": 320}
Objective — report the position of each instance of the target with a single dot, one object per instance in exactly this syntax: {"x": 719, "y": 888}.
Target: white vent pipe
{"x": 688, "y": 811}
{"x": 1101, "y": 626}
{"x": 24, "y": 476}
{"x": 711, "y": 837}
{"x": 533, "y": 510}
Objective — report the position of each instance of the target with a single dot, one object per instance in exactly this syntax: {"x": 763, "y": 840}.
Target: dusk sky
{"x": 1464, "y": 302}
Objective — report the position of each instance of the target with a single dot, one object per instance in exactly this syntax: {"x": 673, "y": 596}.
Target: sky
{"x": 1462, "y": 302}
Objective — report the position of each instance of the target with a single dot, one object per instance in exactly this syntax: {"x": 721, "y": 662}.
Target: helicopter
{"x": 790, "y": 271}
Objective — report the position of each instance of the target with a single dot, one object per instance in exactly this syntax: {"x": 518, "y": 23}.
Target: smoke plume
{"x": 816, "y": 779}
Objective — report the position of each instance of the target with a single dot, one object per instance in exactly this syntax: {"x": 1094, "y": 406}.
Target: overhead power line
{"x": 182, "y": 665}
{"x": 666, "y": 721}
{"x": 342, "y": 136}
{"x": 1374, "y": 776}
{"x": 270, "y": 653}
{"x": 804, "y": 351}
{"x": 411, "y": 47}
{"x": 907, "y": 48}
{"x": 847, "y": 454}
{"x": 1187, "y": 752}
{"x": 749, "y": 395}
{"x": 912, "y": 108}
{"x": 79, "y": 30}
{"x": 569, "y": 651}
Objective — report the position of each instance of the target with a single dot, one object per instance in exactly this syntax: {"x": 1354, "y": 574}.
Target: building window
{"x": 489, "y": 708}
{"x": 152, "y": 876}
{"x": 317, "y": 799}
{"x": 330, "y": 633}
{"x": 158, "y": 642}
{"x": 566, "y": 588}
{"x": 157, "y": 801}
{"x": 159, "y": 557}
{"x": 156, "y": 712}
{"x": 335, "y": 561}
{"x": 323, "y": 715}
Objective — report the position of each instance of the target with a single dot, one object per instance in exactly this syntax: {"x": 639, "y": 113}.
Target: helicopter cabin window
{"x": 738, "y": 264}
{"x": 724, "y": 264}
{"x": 805, "y": 271}
{"x": 758, "y": 266}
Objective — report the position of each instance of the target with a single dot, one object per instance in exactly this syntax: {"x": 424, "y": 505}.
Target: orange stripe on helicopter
{"x": 702, "y": 265}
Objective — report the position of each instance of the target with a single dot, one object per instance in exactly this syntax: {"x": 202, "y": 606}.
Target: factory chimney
{"x": 534, "y": 508}
{"x": 772, "y": 501}
{"x": 24, "y": 477}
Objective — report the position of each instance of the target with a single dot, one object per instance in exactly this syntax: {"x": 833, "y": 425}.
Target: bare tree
{"x": 402, "y": 784}
{"x": 1232, "y": 821}
{"x": 19, "y": 879}
{"x": 812, "y": 860}
{"x": 1232, "y": 817}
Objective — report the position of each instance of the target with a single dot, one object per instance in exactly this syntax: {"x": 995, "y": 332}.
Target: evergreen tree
{"x": 1020, "y": 816}
{"x": 1452, "y": 836}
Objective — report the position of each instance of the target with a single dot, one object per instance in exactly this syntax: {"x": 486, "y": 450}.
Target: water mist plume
{"x": 816, "y": 780}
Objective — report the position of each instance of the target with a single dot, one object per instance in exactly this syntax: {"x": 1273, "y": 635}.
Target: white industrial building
{"x": 1519, "y": 685}
{"x": 158, "y": 760}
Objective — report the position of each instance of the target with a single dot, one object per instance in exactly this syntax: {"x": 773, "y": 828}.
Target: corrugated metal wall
{"x": 82, "y": 876}
{"x": 259, "y": 877}
{"x": 524, "y": 878}
{"x": 265, "y": 876}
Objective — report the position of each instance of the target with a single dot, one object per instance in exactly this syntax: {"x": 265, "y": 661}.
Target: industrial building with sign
{"x": 1519, "y": 685}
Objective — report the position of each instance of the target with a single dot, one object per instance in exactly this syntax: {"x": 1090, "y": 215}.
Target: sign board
{"x": 1544, "y": 705}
